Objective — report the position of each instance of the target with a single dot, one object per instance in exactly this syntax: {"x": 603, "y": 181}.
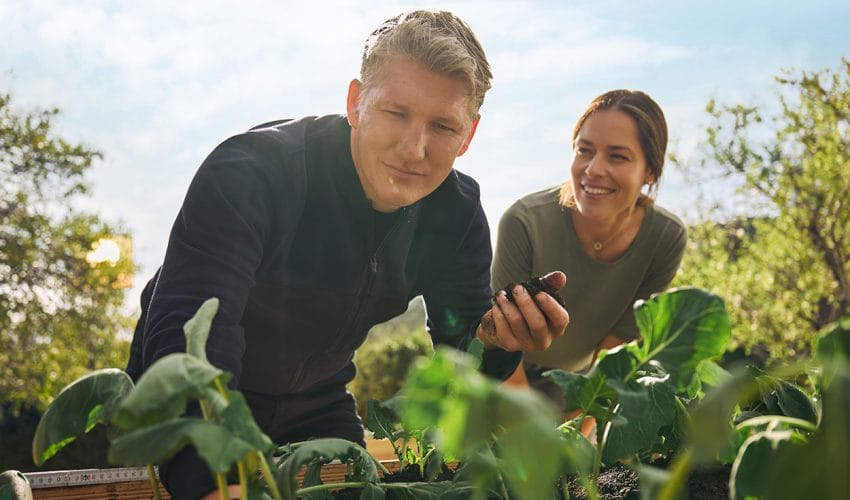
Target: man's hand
{"x": 529, "y": 324}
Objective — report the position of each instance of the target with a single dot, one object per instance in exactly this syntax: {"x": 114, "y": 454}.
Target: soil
{"x": 618, "y": 482}
{"x": 533, "y": 286}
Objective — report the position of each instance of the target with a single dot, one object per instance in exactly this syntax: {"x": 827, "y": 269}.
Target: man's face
{"x": 406, "y": 131}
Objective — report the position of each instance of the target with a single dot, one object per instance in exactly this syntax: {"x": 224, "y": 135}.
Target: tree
{"x": 60, "y": 304}
{"x": 785, "y": 267}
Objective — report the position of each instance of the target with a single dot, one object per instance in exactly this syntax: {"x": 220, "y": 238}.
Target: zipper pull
{"x": 373, "y": 262}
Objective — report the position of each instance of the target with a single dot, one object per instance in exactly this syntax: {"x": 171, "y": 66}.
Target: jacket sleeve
{"x": 215, "y": 247}
{"x": 512, "y": 260}
{"x": 458, "y": 293}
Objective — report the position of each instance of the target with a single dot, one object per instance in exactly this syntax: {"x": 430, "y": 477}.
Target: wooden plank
{"x": 141, "y": 490}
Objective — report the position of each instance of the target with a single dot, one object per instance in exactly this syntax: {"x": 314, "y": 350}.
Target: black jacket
{"x": 276, "y": 224}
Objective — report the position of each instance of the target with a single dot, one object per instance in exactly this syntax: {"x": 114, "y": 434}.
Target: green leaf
{"x": 680, "y": 329}
{"x": 81, "y": 405}
{"x": 470, "y": 410}
{"x": 833, "y": 347}
{"x": 819, "y": 468}
{"x": 383, "y": 419}
{"x": 712, "y": 374}
{"x": 619, "y": 362}
{"x": 164, "y": 389}
{"x": 589, "y": 393}
{"x": 784, "y": 398}
{"x": 711, "y": 417}
{"x": 751, "y": 471}
{"x": 313, "y": 477}
{"x": 646, "y": 406}
{"x": 440, "y": 490}
{"x": 579, "y": 451}
{"x": 197, "y": 329}
{"x": 237, "y": 417}
{"x": 323, "y": 451}
{"x": 372, "y": 492}
{"x": 216, "y": 445}
{"x": 476, "y": 350}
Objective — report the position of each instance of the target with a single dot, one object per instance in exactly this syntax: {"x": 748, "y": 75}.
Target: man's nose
{"x": 412, "y": 143}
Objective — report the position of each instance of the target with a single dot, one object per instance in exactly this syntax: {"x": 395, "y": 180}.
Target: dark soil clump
{"x": 533, "y": 286}
{"x": 619, "y": 482}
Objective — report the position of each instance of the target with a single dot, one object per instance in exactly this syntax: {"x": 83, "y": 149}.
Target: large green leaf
{"x": 216, "y": 445}
{"x": 751, "y": 471}
{"x": 833, "y": 347}
{"x": 323, "y": 451}
{"x": 81, "y": 405}
{"x": 647, "y": 406}
{"x": 197, "y": 329}
{"x": 470, "y": 410}
{"x": 783, "y": 398}
{"x": 711, "y": 427}
{"x": 164, "y": 389}
{"x": 819, "y": 468}
{"x": 681, "y": 328}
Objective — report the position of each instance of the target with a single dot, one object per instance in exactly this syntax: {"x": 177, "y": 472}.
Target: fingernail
{"x": 519, "y": 290}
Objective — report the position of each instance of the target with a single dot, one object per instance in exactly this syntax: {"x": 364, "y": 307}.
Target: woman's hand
{"x": 527, "y": 324}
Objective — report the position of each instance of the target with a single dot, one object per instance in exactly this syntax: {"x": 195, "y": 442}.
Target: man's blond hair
{"x": 438, "y": 40}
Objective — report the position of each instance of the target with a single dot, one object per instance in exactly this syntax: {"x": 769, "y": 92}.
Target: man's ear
{"x": 352, "y": 103}
{"x": 465, "y": 145}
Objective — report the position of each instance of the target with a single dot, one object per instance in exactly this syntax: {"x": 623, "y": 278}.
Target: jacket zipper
{"x": 367, "y": 280}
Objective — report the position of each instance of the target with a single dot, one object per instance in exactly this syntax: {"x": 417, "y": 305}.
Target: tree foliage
{"x": 384, "y": 360}
{"x": 785, "y": 268}
{"x": 60, "y": 313}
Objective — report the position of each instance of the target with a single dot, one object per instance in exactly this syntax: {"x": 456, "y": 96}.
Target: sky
{"x": 156, "y": 85}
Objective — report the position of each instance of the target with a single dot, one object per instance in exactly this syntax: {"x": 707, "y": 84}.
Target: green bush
{"x": 387, "y": 355}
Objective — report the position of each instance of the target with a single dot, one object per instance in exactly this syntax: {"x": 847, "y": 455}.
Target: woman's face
{"x": 609, "y": 166}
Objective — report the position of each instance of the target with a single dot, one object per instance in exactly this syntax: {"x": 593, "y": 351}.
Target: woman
{"x": 614, "y": 244}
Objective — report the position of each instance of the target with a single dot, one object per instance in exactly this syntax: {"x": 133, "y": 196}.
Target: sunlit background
{"x": 156, "y": 85}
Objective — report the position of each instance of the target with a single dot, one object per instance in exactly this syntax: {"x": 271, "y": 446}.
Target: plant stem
{"x": 330, "y": 486}
{"x": 268, "y": 476}
{"x": 221, "y": 482}
{"x": 379, "y": 465}
{"x": 154, "y": 482}
{"x": 243, "y": 477}
{"x": 565, "y": 488}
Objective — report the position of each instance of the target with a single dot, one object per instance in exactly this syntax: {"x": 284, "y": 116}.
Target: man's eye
{"x": 583, "y": 151}
{"x": 396, "y": 114}
{"x": 443, "y": 127}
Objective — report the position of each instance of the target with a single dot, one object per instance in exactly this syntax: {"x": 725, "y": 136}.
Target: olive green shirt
{"x": 536, "y": 236}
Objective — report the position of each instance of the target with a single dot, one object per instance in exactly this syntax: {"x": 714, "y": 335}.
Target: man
{"x": 311, "y": 231}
